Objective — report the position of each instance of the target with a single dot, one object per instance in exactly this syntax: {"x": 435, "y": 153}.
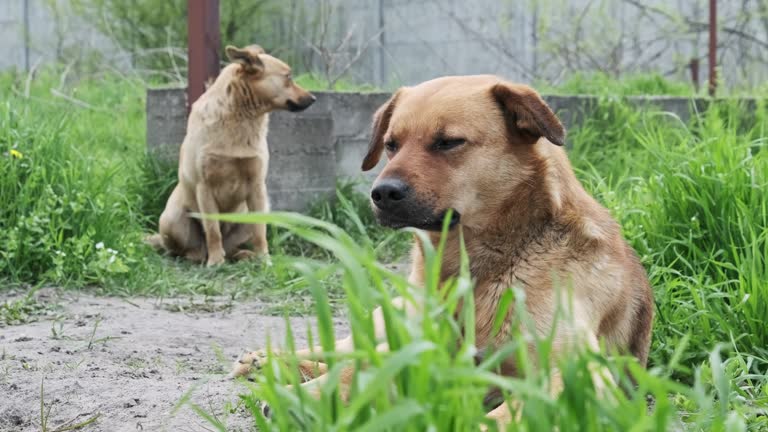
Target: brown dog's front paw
{"x": 248, "y": 362}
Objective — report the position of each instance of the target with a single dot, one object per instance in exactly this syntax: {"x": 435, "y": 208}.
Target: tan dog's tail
{"x": 156, "y": 241}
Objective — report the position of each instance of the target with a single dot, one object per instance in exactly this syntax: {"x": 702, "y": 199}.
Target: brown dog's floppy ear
{"x": 525, "y": 111}
{"x": 380, "y": 126}
{"x": 247, "y": 57}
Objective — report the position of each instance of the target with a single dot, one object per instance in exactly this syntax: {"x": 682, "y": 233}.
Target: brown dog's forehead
{"x": 455, "y": 106}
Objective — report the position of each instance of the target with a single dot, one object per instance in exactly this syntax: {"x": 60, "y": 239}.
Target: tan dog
{"x": 491, "y": 151}
{"x": 224, "y": 158}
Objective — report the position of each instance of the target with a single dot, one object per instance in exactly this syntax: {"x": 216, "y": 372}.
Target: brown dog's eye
{"x": 391, "y": 145}
{"x": 444, "y": 144}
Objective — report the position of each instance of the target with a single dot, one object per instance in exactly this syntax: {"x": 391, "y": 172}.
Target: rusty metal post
{"x": 26, "y": 36}
{"x": 694, "y": 65}
{"x": 204, "y": 40}
{"x": 712, "y": 47}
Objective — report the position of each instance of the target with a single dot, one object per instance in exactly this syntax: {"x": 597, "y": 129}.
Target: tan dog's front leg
{"x": 255, "y": 359}
{"x": 207, "y": 204}
{"x": 346, "y": 377}
{"x": 258, "y": 201}
{"x": 347, "y": 374}
{"x": 309, "y": 368}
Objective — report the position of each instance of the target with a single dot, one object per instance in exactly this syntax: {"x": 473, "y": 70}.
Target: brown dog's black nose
{"x": 389, "y": 193}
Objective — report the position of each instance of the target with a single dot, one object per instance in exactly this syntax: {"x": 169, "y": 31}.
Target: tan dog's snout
{"x": 397, "y": 204}
{"x": 391, "y": 195}
{"x": 302, "y": 102}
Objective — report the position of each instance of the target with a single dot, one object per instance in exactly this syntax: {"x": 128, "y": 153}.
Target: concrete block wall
{"x": 310, "y": 150}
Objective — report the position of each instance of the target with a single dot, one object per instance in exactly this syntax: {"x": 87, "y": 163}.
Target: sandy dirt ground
{"x": 129, "y": 362}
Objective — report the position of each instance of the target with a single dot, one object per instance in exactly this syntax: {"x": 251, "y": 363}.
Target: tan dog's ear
{"x": 256, "y": 48}
{"x": 247, "y": 57}
{"x": 526, "y": 112}
{"x": 380, "y": 126}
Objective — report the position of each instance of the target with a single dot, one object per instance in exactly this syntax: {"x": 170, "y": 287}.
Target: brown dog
{"x": 224, "y": 157}
{"x": 492, "y": 152}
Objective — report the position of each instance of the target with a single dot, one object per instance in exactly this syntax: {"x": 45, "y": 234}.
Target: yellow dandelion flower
{"x": 17, "y": 154}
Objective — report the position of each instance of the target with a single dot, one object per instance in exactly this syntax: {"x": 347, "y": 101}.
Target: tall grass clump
{"x": 706, "y": 227}
{"x": 64, "y": 209}
{"x": 433, "y": 377}
{"x": 691, "y": 199}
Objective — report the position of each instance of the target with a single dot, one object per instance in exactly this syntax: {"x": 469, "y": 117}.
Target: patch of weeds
{"x": 71, "y": 425}
{"x": 57, "y": 330}
{"x": 136, "y": 363}
{"x": 5, "y": 372}
{"x": 207, "y": 305}
{"x": 181, "y": 366}
{"x": 74, "y": 365}
{"x": 93, "y": 340}
{"x": 24, "y": 310}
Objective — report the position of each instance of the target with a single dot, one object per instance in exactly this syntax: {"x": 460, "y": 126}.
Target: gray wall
{"x": 312, "y": 149}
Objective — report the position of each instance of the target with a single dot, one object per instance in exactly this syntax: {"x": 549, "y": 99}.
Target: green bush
{"x": 62, "y": 209}
{"x": 633, "y": 85}
{"x": 155, "y": 33}
{"x": 64, "y": 204}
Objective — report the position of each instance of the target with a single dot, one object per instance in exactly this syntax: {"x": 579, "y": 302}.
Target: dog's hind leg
{"x": 179, "y": 234}
{"x": 156, "y": 242}
{"x": 184, "y": 237}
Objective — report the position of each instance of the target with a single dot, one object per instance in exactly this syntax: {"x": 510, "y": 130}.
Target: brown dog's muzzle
{"x": 397, "y": 205}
